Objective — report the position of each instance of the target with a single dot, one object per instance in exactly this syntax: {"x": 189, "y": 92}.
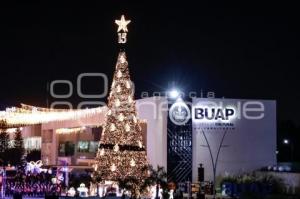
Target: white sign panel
{"x": 250, "y": 141}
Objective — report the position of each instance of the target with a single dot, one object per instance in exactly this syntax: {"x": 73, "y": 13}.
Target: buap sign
{"x": 213, "y": 113}
{"x": 219, "y": 111}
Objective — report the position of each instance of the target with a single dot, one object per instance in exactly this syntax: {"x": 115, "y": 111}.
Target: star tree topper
{"x": 122, "y": 23}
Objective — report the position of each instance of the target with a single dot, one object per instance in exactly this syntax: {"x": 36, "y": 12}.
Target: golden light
{"x": 30, "y": 115}
{"x": 113, "y": 167}
{"x": 119, "y": 74}
{"x": 132, "y": 163}
{"x": 70, "y": 130}
{"x": 127, "y": 84}
{"x": 140, "y": 144}
{"x": 127, "y": 128}
{"x": 112, "y": 127}
{"x": 116, "y": 148}
{"x": 122, "y": 24}
{"x": 117, "y": 103}
{"x": 102, "y": 152}
{"x": 121, "y": 117}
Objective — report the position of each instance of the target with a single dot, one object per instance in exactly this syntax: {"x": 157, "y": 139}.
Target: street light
{"x": 174, "y": 93}
{"x": 286, "y": 141}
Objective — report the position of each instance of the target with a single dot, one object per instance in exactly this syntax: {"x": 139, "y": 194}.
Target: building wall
{"x": 50, "y": 140}
{"x": 154, "y": 111}
{"x": 248, "y": 145}
{"x": 32, "y": 131}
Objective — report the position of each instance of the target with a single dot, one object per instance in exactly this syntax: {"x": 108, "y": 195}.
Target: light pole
{"x": 214, "y": 162}
{"x": 291, "y": 144}
{"x": 2, "y": 194}
{"x": 174, "y": 93}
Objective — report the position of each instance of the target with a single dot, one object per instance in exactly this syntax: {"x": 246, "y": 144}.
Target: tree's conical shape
{"x": 121, "y": 152}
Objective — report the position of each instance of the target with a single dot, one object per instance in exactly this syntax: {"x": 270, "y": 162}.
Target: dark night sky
{"x": 236, "y": 50}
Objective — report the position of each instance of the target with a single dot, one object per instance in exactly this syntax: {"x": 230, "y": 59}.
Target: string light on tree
{"x": 122, "y": 59}
{"x": 129, "y": 99}
{"x": 117, "y": 103}
{"x": 119, "y": 74}
{"x": 132, "y": 163}
{"x": 140, "y": 144}
{"x": 127, "y": 128}
{"x": 127, "y": 84}
{"x": 118, "y": 88}
{"x": 112, "y": 127}
{"x": 134, "y": 119}
{"x": 102, "y": 151}
{"x": 113, "y": 167}
{"x": 121, "y": 117}
{"x": 116, "y": 148}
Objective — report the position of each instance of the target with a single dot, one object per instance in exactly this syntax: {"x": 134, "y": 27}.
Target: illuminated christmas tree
{"x": 121, "y": 154}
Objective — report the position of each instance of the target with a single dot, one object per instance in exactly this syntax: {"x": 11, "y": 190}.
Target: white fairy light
{"x": 132, "y": 163}
{"x": 119, "y": 88}
{"x": 70, "y": 130}
{"x": 116, "y": 148}
{"x": 10, "y": 130}
{"x": 95, "y": 167}
{"x": 112, "y": 127}
{"x": 122, "y": 59}
{"x": 127, "y": 84}
{"x": 30, "y": 115}
{"x": 134, "y": 119}
{"x": 129, "y": 99}
{"x": 102, "y": 152}
{"x": 127, "y": 128}
{"x": 113, "y": 167}
{"x": 140, "y": 144}
{"x": 117, "y": 103}
{"x": 121, "y": 117}
{"x": 119, "y": 74}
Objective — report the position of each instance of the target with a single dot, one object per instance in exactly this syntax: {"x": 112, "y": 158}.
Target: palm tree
{"x": 158, "y": 177}
{"x": 130, "y": 184}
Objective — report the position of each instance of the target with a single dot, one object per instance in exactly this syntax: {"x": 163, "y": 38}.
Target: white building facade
{"x": 249, "y": 143}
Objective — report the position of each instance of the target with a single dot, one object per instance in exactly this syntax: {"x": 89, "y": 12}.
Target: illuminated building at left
{"x": 72, "y": 136}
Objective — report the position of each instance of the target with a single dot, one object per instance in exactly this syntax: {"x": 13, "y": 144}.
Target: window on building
{"x": 61, "y": 149}
{"x": 69, "y": 148}
{"x": 93, "y": 147}
{"x": 83, "y": 146}
{"x": 32, "y": 143}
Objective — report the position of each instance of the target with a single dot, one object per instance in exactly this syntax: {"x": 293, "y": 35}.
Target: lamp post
{"x": 2, "y": 194}
{"x": 291, "y": 144}
{"x": 174, "y": 93}
{"x": 214, "y": 162}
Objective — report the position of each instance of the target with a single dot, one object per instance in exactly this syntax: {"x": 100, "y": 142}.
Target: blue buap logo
{"x": 179, "y": 113}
